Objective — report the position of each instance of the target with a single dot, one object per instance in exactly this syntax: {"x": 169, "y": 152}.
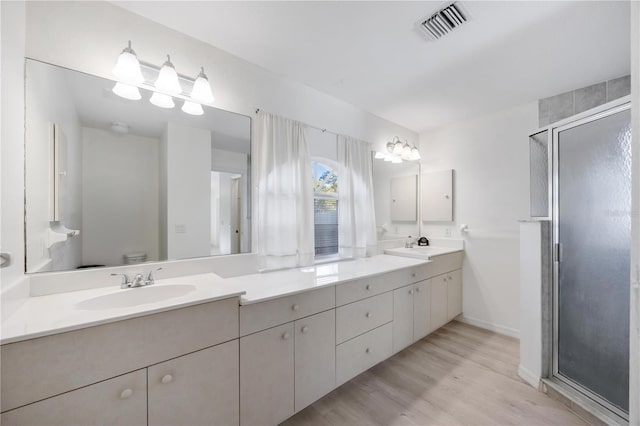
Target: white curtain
{"x": 356, "y": 215}
{"x": 285, "y": 194}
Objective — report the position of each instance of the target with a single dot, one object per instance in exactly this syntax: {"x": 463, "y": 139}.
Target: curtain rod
{"x": 309, "y": 125}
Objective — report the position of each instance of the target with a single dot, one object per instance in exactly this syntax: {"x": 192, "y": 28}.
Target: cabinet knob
{"x": 410, "y": 291}
{"x": 368, "y": 315}
{"x": 285, "y": 336}
{"x": 417, "y": 289}
{"x": 367, "y": 287}
{"x": 126, "y": 393}
{"x": 167, "y": 378}
{"x": 413, "y": 275}
{"x": 449, "y": 277}
{"x": 304, "y": 329}
{"x": 367, "y": 350}
{"x": 446, "y": 196}
{"x": 295, "y": 307}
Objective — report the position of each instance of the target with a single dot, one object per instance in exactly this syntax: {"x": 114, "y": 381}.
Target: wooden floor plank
{"x": 458, "y": 375}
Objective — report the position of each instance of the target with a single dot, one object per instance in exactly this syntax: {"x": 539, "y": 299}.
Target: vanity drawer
{"x": 359, "y": 317}
{"x": 43, "y": 367}
{"x": 359, "y": 289}
{"x": 363, "y": 352}
{"x": 445, "y": 263}
{"x": 263, "y": 315}
{"x": 118, "y": 401}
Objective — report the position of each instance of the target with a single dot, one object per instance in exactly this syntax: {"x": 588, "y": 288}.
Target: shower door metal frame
{"x": 556, "y": 250}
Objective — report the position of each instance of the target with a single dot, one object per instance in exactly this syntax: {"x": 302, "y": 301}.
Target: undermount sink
{"x": 136, "y": 296}
{"x": 421, "y": 252}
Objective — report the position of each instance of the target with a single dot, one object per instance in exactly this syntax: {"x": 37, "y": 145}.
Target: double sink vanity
{"x": 202, "y": 349}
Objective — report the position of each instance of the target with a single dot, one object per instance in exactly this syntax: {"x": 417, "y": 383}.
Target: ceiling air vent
{"x": 444, "y": 21}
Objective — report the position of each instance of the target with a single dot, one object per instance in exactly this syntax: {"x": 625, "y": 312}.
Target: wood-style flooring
{"x": 458, "y": 375}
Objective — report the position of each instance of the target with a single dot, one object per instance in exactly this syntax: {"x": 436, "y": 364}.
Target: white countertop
{"x": 57, "y": 313}
{"x": 422, "y": 252}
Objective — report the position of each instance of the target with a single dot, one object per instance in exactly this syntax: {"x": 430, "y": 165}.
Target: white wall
{"x": 490, "y": 158}
{"x": 120, "y": 196}
{"x": 188, "y": 191}
{"x": 12, "y": 42}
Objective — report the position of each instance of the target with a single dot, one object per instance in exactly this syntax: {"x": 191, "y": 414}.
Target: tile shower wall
{"x": 566, "y": 104}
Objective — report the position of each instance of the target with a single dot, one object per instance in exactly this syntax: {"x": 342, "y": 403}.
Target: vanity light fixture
{"x": 167, "y": 81}
{"x": 398, "y": 151}
{"x": 161, "y": 100}
{"x": 129, "y": 74}
{"x": 127, "y": 69}
{"x": 127, "y": 91}
{"x": 202, "y": 89}
{"x": 192, "y": 108}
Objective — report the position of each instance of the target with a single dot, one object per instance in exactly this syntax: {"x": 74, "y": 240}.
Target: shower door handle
{"x": 557, "y": 252}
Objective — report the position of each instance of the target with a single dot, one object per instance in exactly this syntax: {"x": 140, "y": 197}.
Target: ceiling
{"x": 372, "y": 55}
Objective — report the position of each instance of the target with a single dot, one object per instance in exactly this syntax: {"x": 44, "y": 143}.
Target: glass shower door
{"x": 592, "y": 270}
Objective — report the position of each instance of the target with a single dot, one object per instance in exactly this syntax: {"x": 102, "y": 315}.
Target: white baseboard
{"x": 507, "y": 331}
{"x": 528, "y": 376}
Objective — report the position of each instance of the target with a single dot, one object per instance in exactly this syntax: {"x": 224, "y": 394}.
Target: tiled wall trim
{"x": 566, "y": 104}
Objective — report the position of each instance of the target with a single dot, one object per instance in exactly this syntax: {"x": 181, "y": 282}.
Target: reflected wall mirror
{"x": 111, "y": 181}
{"x": 396, "y": 198}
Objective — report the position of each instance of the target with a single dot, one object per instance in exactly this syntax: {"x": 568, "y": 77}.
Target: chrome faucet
{"x": 138, "y": 280}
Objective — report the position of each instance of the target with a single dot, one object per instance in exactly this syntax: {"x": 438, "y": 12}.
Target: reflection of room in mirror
{"x": 141, "y": 183}
{"x": 395, "y": 198}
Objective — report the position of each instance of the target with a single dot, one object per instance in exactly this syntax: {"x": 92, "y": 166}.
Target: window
{"x": 325, "y": 208}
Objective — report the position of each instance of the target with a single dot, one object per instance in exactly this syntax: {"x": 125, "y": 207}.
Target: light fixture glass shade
{"x": 167, "y": 81}
{"x": 127, "y": 67}
{"x": 192, "y": 108}
{"x": 127, "y": 91}
{"x": 379, "y": 155}
{"x": 397, "y": 148}
{"x": 202, "y": 89}
{"x": 415, "y": 154}
{"x": 406, "y": 152}
{"x": 161, "y": 100}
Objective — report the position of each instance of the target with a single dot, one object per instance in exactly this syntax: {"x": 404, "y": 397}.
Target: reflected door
{"x": 593, "y": 237}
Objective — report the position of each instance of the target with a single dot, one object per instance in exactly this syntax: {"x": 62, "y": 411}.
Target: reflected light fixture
{"x": 167, "y": 81}
{"x": 192, "y": 108}
{"x": 127, "y": 69}
{"x": 398, "y": 151}
{"x": 201, "y": 91}
{"x": 161, "y": 100}
{"x": 127, "y": 91}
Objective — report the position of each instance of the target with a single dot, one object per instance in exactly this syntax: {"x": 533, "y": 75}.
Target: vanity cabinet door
{"x": 315, "y": 357}
{"x": 421, "y": 310}
{"x": 454, "y": 294}
{"x": 118, "y": 401}
{"x": 403, "y": 317}
{"x": 197, "y": 389}
{"x": 439, "y": 304}
{"x": 266, "y": 376}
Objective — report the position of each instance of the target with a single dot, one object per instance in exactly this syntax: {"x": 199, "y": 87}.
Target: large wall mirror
{"x": 111, "y": 181}
{"x": 396, "y": 198}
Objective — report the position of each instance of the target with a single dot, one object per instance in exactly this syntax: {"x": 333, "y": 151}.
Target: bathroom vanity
{"x": 252, "y": 349}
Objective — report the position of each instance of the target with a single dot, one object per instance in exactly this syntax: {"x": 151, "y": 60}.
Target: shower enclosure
{"x": 588, "y": 175}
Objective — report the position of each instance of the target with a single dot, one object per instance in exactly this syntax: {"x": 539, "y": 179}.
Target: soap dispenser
{"x": 422, "y": 241}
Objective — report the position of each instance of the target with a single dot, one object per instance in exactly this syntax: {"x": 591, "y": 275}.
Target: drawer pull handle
{"x": 295, "y": 307}
{"x": 304, "y": 329}
{"x": 410, "y": 291}
{"x": 367, "y": 350}
{"x": 367, "y": 287}
{"x": 126, "y": 393}
{"x": 167, "y": 378}
{"x": 368, "y": 315}
{"x": 285, "y": 336}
